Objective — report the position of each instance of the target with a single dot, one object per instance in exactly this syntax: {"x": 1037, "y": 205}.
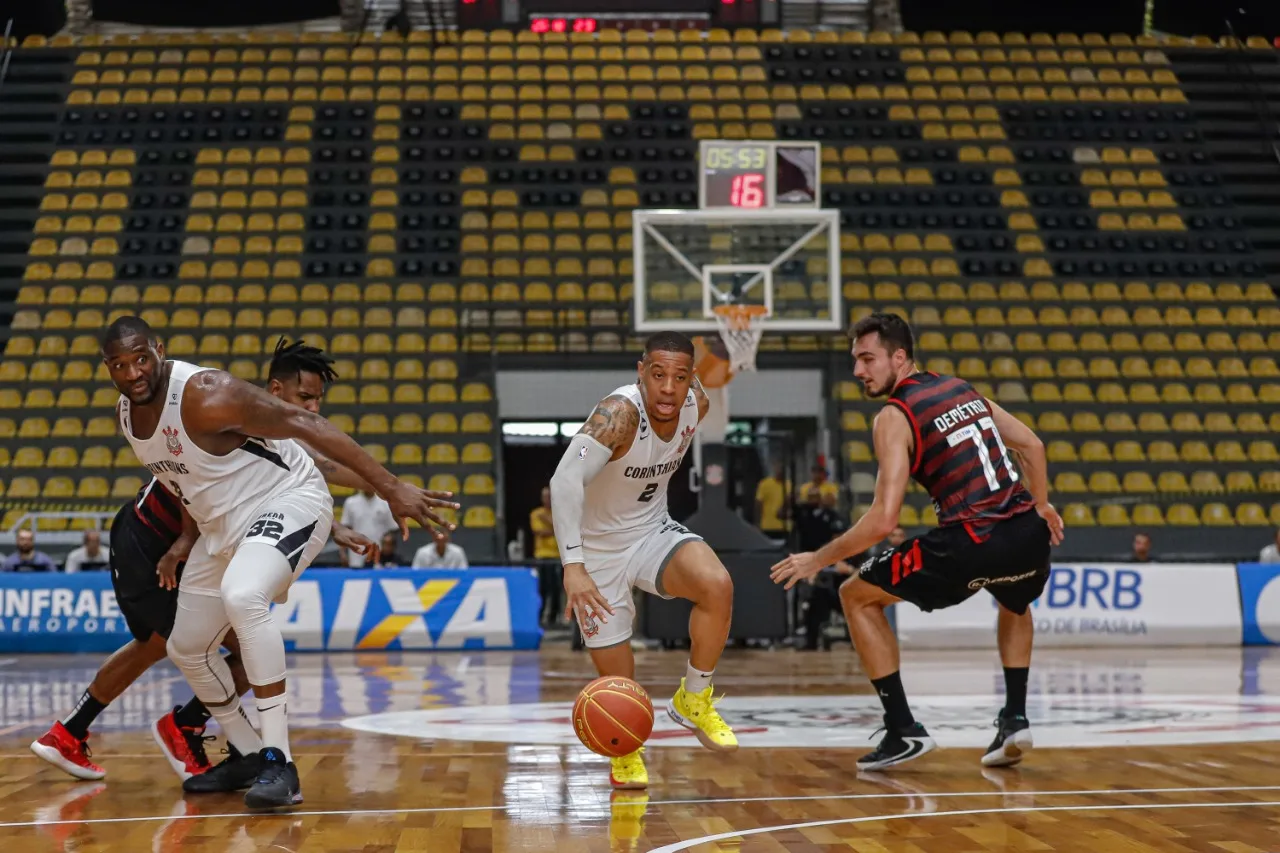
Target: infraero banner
{"x": 338, "y": 609}
{"x": 1099, "y": 604}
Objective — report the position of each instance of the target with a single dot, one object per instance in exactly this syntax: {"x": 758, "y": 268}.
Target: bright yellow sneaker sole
{"x": 703, "y": 738}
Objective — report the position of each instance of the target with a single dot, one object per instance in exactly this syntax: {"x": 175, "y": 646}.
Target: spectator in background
{"x": 818, "y": 483}
{"x": 440, "y": 554}
{"x": 895, "y": 538}
{"x": 1141, "y": 548}
{"x": 547, "y": 554}
{"x": 27, "y": 558}
{"x": 370, "y": 516}
{"x": 773, "y": 499}
{"x": 388, "y": 558}
{"x": 89, "y": 557}
{"x": 1271, "y": 553}
{"x": 818, "y": 518}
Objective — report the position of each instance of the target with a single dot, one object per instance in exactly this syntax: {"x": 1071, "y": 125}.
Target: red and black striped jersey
{"x": 958, "y": 455}
{"x": 159, "y": 510}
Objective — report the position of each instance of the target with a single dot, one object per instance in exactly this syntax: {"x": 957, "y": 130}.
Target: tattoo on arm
{"x": 700, "y": 394}
{"x": 613, "y": 423}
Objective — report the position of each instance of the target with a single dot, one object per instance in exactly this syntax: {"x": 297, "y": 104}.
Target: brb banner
{"x": 1100, "y": 604}
{"x": 327, "y": 609}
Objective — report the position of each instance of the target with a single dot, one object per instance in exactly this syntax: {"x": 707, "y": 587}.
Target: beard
{"x": 876, "y": 392}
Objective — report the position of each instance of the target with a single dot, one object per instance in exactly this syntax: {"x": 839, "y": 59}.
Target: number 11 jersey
{"x": 958, "y": 455}
{"x": 222, "y": 493}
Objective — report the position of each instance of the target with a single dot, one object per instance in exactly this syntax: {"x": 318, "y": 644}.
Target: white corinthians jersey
{"x": 629, "y": 497}
{"x": 222, "y": 493}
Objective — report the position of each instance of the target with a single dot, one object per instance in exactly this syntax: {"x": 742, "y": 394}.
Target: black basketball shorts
{"x": 946, "y": 566}
{"x": 146, "y": 607}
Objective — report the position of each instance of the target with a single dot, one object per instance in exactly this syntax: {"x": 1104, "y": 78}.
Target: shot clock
{"x": 758, "y": 175}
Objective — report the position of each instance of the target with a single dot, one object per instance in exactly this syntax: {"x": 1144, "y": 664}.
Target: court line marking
{"x": 708, "y": 839}
{"x": 517, "y": 807}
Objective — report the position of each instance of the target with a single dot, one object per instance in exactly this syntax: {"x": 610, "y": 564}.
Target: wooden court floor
{"x": 1143, "y": 750}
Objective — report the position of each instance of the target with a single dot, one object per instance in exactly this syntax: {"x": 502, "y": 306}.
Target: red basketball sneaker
{"x": 64, "y": 750}
{"x": 184, "y": 747}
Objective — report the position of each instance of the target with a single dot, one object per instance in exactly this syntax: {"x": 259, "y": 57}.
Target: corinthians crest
{"x": 686, "y": 435}
{"x": 171, "y": 440}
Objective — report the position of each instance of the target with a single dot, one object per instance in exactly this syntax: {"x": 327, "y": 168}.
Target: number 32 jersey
{"x": 628, "y": 499}
{"x": 224, "y": 494}
{"x": 958, "y": 455}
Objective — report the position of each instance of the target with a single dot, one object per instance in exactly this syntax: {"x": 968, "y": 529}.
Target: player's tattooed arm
{"x": 613, "y": 423}
{"x": 700, "y": 394}
{"x": 333, "y": 473}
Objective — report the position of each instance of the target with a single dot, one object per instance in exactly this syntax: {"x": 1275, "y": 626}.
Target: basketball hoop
{"x": 741, "y": 327}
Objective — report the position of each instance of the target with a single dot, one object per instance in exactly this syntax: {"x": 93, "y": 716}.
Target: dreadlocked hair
{"x": 292, "y": 359}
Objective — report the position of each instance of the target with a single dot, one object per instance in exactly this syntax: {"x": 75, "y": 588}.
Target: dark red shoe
{"x": 67, "y": 752}
{"x": 183, "y": 747}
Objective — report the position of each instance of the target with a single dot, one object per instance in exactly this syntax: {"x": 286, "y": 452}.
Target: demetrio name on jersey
{"x": 959, "y": 414}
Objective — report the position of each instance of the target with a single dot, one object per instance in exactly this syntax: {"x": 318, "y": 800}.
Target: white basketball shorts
{"x": 617, "y": 572}
{"x": 296, "y": 524}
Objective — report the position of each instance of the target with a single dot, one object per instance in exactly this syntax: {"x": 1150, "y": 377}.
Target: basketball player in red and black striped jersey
{"x": 995, "y": 529}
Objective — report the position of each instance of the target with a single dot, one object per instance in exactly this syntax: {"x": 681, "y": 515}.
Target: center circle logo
{"x": 848, "y": 721}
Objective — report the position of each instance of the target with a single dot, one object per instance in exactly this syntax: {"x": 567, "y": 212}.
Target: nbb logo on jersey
{"x": 406, "y": 609}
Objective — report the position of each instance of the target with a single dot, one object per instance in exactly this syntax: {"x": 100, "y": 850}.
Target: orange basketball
{"x": 711, "y": 361}
{"x": 613, "y": 716}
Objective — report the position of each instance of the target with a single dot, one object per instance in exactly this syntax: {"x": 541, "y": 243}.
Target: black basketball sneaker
{"x": 277, "y": 784}
{"x": 897, "y": 747}
{"x": 1013, "y": 741}
{"x": 235, "y": 773}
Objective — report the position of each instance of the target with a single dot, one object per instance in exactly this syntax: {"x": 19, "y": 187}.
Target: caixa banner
{"x": 1099, "y": 604}
{"x": 326, "y": 609}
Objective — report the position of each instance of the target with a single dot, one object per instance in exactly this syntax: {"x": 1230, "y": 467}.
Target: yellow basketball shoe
{"x": 628, "y": 773}
{"x": 697, "y": 712}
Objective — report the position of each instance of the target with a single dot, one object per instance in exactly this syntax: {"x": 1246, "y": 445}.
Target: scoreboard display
{"x": 590, "y": 16}
{"x": 759, "y": 175}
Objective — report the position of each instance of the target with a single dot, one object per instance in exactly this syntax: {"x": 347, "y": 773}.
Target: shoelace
{"x": 628, "y": 762}
{"x": 195, "y": 743}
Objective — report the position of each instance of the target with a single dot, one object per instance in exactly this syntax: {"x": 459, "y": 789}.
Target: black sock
{"x": 894, "y": 698}
{"x": 1015, "y": 688}
{"x": 192, "y": 715}
{"x": 83, "y": 715}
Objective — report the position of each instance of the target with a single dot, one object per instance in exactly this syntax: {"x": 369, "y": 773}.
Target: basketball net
{"x": 741, "y": 327}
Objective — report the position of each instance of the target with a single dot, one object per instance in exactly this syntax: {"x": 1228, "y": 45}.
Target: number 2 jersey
{"x": 628, "y": 499}
{"x": 224, "y": 494}
{"x": 958, "y": 455}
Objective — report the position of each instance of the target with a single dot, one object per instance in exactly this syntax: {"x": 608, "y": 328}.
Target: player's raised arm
{"x": 700, "y": 394}
{"x": 1022, "y": 440}
{"x": 892, "y": 435}
{"x": 217, "y": 402}
{"x": 606, "y": 435}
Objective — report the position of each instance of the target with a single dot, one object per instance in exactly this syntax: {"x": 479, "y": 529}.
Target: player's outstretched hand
{"x": 347, "y": 538}
{"x": 408, "y": 501}
{"x": 795, "y": 568}
{"x": 169, "y": 565}
{"x": 583, "y": 596}
{"x": 1051, "y": 518}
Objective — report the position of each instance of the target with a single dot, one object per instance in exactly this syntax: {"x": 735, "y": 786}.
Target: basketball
{"x": 711, "y": 361}
{"x": 613, "y": 716}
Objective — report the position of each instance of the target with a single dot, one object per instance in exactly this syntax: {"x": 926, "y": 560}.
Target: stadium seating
{"x": 1047, "y": 211}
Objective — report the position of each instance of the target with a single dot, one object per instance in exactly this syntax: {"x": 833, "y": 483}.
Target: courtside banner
{"x": 327, "y": 609}
{"x": 1099, "y": 604}
{"x": 1260, "y": 600}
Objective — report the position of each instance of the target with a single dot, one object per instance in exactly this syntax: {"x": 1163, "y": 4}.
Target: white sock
{"x": 240, "y": 732}
{"x": 273, "y": 716}
{"x": 695, "y": 680}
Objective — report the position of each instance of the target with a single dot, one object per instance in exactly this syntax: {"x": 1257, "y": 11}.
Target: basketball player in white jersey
{"x": 609, "y": 509}
{"x": 223, "y": 447}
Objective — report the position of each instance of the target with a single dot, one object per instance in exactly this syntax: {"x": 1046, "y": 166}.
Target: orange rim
{"x": 740, "y": 316}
